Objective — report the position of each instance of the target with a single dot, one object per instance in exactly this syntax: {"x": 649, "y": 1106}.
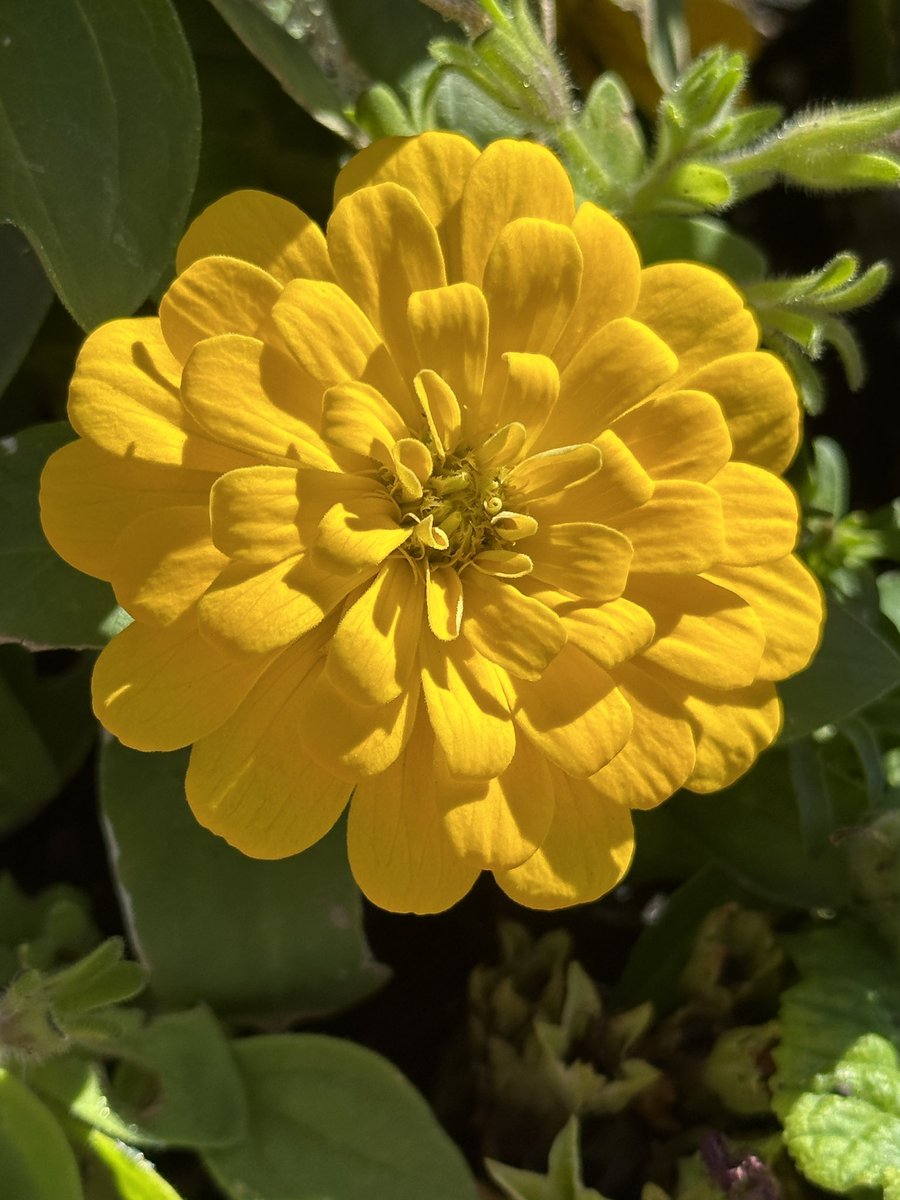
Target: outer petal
{"x": 160, "y": 689}
{"x": 250, "y": 783}
{"x": 260, "y": 229}
{"x": 215, "y": 295}
{"x": 584, "y": 855}
{"x": 251, "y": 397}
{"x": 444, "y": 598}
{"x": 760, "y": 514}
{"x": 588, "y": 560}
{"x": 498, "y": 823}
{"x": 703, "y": 632}
{"x": 467, "y": 708}
{"x": 679, "y": 435}
{"x": 659, "y": 755}
{"x": 357, "y": 418}
{"x": 400, "y": 853}
{"x": 433, "y": 166}
{"x": 88, "y": 497}
{"x": 518, "y": 633}
{"x": 164, "y": 562}
{"x": 373, "y": 650}
{"x": 124, "y": 397}
{"x": 527, "y": 393}
{"x": 697, "y": 312}
{"x": 760, "y": 404}
{"x": 608, "y": 633}
{"x": 787, "y": 600}
{"x": 253, "y": 514}
{"x": 573, "y": 713}
{"x": 449, "y": 331}
{"x": 611, "y": 281}
{"x": 509, "y": 180}
{"x": 614, "y": 370}
{"x": 678, "y": 531}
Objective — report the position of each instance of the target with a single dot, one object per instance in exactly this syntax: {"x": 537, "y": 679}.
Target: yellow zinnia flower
{"x": 457, "y": 507}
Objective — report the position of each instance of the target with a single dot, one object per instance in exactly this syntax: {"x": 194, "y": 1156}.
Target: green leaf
{"x": 24, "y": 300}
{"x": 261, "y": 940}
{"x": 43, "y": 601}
{"x": 112, "y": 1170}
{"x": 102, "y": 977}
{"x": 330, "y": 1118}
{"x": 608, "y": 127}
{"x": 52, "y": 927}
{"x": 837, "y": 1089}
{"x": 830, "y": 476}
{"x": 854, "y": 666}
{"x": 562, "y": 1181}
{"x": 461, "y": 105}
{"x": 702, "y": 239}
{"x": 36, "y": 1162}
{"x": 288, "y": 59}
{"x": 99, "y": 133}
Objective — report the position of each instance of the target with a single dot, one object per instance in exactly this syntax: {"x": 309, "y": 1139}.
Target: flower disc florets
{"x": 455, "y": 507}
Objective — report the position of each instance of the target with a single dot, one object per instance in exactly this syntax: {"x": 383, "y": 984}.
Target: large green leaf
{"x": 24, "y": 300}
{"x": 36, "y": 1162}
{"x": 837, "y": 1089}
{"x": 99, "y": 135}
{"x": 330, "y": 1118}
{"x": 43, "y": 601}
{"x": 855, "y": 665}
{"x": 269, "y": 940}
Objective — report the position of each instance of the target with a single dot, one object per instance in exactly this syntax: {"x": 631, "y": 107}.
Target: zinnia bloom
{"x": 454, "y": 507}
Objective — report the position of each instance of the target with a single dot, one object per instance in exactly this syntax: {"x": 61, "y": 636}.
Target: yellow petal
{"x": 510, "y": 564}
{"x": 760, "y": 513}
{"x": 611, "y": 281}
{"x": 677, "y": 435}
{"x": 659, "y": 754}
{"x": 213, "y": 296}
{"x": 444, "y": 597}
{"x": 531, "y": 283}
{"x": 502, "y": 447}
{"x": 384, "y": 248}
{"x": 400, "y": 853}
{"x": 449, "y": 331}
{"x": 526, "y": 393}
{"x": 124, "y": 397}
{"x": 697, "y": 312}
{"x": 358, "y": 532}
{"x": 620, "y": 485}
{"x": 551, "y": 471}
{"x": 160, "y": 689}
{"x": 165, "y": 561}
{"x": 441, "y": 409}
{"x": 261, "y": 229}
{"x": 412, "y": 463}
{"x": 253, "y": 513}
{"x": 354, "y": 740}
{"x": 573, "y": 713}
{"x": 434, "y": 166}
{"x": 678, "y": 531}
{"x": 588, "y": 560}
{"x": 760, "y": 403}
{"x": 586, "y": 852}
{"x": 509, "y": 180}
{"x": 787, "y": 600}
{"x": 251, "y": 397}
{"x": 498, "y": 823}
{"x": 615, "y": 369}
{"x": 89, "y": 496}
{"x": 254, "y": 610}
{"x": 250, "y": 782}
{"x": 335, "y": 342}
{"x": 373, "y": 650}
{"x": 517, "y": 632}
{"x": 734, "y": 728}
{"x": 703, "y": 632}
{"x": 467, "y": 707}
{"x": 357, "y": 417}
{"x": 608, "y": 633}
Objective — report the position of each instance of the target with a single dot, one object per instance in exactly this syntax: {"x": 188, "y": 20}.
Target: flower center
{"x": 455, "y": 518}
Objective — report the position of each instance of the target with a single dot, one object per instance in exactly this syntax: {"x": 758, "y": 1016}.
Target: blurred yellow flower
{"x": 605, "y": 35}
{"x": 457, "y": 507}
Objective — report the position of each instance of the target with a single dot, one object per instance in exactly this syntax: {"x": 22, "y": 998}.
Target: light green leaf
{"x": 36, "y": 1162}
{"x": 24, "y": 300}
{"x": 112, "y": 1170}
{"x": 330, "y": 1118}
{"x": 562, "y": 1181}
{"x": 854, "y": 666}
{"x": 257, "y": 940}
{"x": 43, "y": 601}
{"x": 99, "y": 134}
